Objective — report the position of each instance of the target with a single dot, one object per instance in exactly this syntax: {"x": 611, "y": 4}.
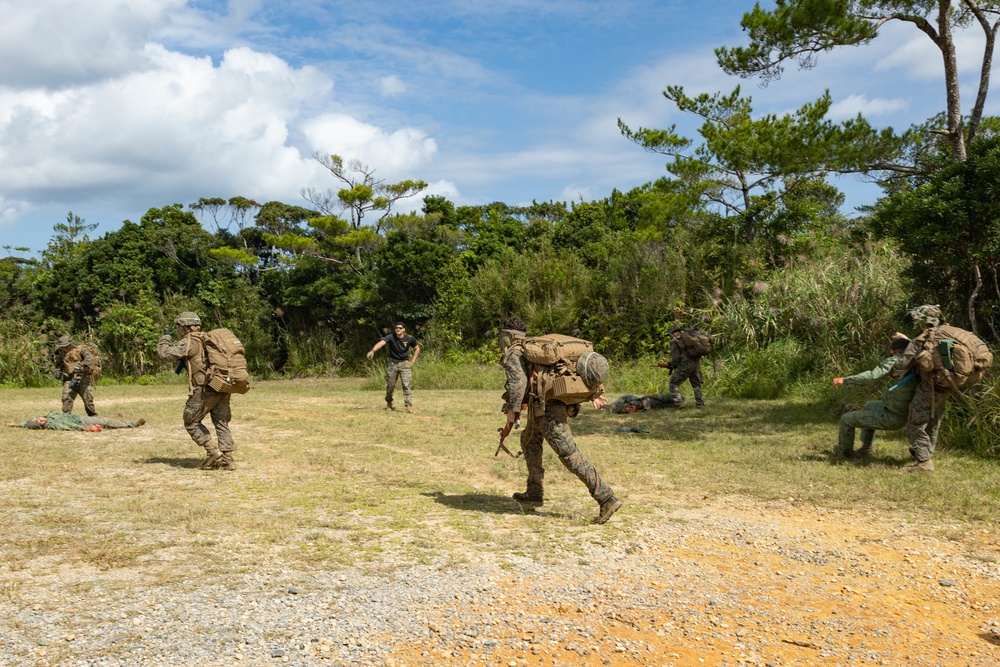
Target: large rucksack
{"x": 95, "y": 368}
{"x": 953, "y": 357}
{"x": 225, "y": 362}
{"x": 697, "y": 343}
{"x": 567, "y": 368}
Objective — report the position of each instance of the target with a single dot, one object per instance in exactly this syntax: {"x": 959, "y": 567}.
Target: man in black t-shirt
{"x": 400, "y": 362}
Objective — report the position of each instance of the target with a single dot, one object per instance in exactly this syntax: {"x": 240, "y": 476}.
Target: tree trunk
{"x": 946, "y": 43}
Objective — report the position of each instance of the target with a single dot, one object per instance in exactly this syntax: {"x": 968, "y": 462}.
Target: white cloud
{"x": 62, "y": 42}
{"x": 392, "y": 86}
{"x": 393, "y": 153}
{"x": 184, "y": 125}
{"x": 870, "y": 108}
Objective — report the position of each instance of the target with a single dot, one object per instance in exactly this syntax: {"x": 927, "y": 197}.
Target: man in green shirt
{"x": 67, "y": 421}
{"x": 885, "y": 415}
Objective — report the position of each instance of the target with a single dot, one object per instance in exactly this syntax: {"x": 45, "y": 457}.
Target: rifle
{"x": 179, "y": 368}
{"x": 505, "y": 431}
{"x": 668, "y": 366}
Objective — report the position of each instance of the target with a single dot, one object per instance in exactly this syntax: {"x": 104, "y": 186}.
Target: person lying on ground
{"x": 60, "y": 421}
{"x": 630, "y": 403}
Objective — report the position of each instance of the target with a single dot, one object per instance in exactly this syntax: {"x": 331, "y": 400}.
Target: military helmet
{"x": 187, "y": 319}
{"x": 514, "y": 324}
{"x": 926, "y": 315}
{"x": 33, "y": 423}
{"x": 593, "y": 368}
{"x": 64, "y": 341}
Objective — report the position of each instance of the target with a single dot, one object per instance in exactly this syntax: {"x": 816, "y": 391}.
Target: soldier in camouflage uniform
{"x": 73, "y": 367}
{"x": 202, "y": 399}
{"x": 546, "y": 421}
{"x": 60, "y": 421}
{"x": 928, "y": 404}
{"x": 887, "y": 414}
{"x": 683, "y": 367}
{"x": 630, "y": 403}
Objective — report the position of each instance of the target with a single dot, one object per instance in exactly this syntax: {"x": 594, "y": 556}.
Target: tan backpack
{"x": 566, "y": 368}
{"x": 225, "y": 362}
{"x": 953, "y": 357}
{"x": 697, "y": 343}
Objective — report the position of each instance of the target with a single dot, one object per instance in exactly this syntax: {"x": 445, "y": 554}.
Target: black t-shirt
{"x": 399, "y": 348}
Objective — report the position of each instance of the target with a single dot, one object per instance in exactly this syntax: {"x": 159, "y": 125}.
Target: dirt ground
{"x": 740, "y": 582}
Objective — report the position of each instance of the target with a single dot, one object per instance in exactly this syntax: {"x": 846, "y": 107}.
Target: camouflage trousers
{"x": 924, "y": 420}
{"x": 205, "y": 402}
{"x": 874, "y": 417}
{"x": 105, "y": 422}
{"x": 398, "y": 369}
{"x": 689, "y": 370}
{"x": 85, "y": 390}
{"x": 551, "y": 426}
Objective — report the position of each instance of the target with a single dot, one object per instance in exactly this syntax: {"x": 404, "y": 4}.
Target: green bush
{"x": 764, "y": 373}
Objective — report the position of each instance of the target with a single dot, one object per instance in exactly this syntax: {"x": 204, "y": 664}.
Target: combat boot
{"x": 212, "y": 456}
{"x": 388, "y": 406}
{"x": 409, "y": 409}
{"x": 528, "y": 498}
{"x": 608, "y": 507}
{"x": 921, "y": 466}
{"x": 226, "y": 462}
{"x": 866, "y": 450}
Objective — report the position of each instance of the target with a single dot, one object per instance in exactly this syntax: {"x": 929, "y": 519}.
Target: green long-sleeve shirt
{"x": 896, "y": 397}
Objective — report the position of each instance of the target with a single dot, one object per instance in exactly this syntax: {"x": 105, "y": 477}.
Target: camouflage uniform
{"x": 928, "y": 404}
{"x": 547, "y": 421}
{"x": 887, "y": 414}
{"x": 685, "y": 367}
{"x": 202, "y": 400}
{"x": 60, "y": 421}
{"x": 399, "y": 369}
{"x": 67, "y": 361}
{"x": 630, "y": 403}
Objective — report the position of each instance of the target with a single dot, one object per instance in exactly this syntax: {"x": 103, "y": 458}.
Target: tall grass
{"x": 26, "y": 358}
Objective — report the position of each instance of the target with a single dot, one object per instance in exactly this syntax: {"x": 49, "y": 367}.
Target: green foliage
{"x": 26, "y": 360}
{"x": 765, "y": 373}
{"x": 949, "y": 224}
{"x": 127, "y": 338}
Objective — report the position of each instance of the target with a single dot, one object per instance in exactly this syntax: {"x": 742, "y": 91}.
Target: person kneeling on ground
{"x": 887, "y": 414}
{"x": 67, "y": 421}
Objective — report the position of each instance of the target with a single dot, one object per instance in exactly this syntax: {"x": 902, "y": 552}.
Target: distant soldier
{"x": 400, "y": 346}
{"x": 887, "y": 414}
{"x": 202, "y": 399}
{"x": 685, "y": 364}
{"x": 76, "y": 366}
{"x": 61, "y": 421}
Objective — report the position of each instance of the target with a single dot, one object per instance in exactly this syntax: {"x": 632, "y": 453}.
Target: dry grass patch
{"x": 328, "y": 478}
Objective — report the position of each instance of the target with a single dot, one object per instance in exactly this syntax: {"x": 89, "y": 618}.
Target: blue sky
{"x": 109, "y": 108}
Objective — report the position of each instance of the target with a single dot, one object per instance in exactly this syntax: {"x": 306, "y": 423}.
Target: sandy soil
{"x": 740, "y": 582}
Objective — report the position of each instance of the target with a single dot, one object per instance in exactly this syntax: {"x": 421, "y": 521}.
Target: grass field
{"x": 327, "y": 477}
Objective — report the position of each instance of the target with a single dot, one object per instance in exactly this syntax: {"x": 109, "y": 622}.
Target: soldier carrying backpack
{"x": 77, "y": 366}
{"x": 946, "y": 359}
{"x": 547, "y": 378}
{"x": 217, "y": 368}
{"x": 687, "y": 347}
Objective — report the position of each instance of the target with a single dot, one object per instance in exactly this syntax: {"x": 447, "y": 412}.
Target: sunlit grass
{"x": 327, "y": 478}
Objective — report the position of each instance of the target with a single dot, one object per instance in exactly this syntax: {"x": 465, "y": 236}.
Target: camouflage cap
{"x": 64, "y": 341}
{"x": 187, "y": 319}
{"x": 926, "y": 315}
{"x": 34, "y": 423}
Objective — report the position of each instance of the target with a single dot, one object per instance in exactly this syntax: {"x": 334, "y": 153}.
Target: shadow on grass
{"x": 485, "y": 503}
{"x": 176, "y": 463}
